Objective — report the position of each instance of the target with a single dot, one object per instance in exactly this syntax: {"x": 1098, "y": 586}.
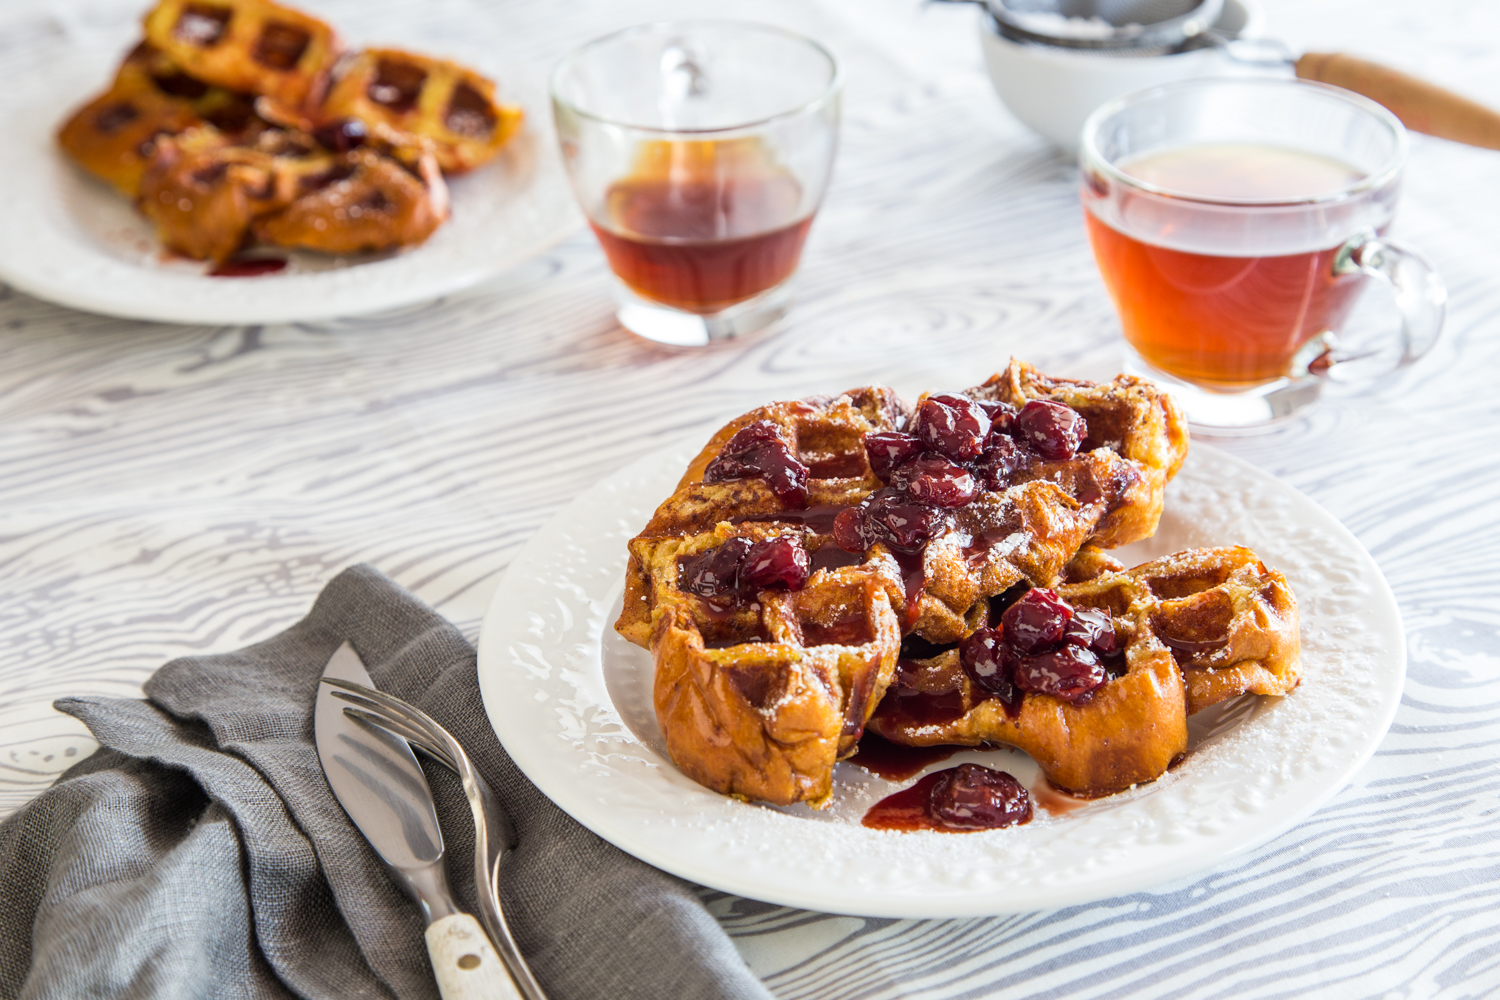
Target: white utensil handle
{"x": 465, "y": 964}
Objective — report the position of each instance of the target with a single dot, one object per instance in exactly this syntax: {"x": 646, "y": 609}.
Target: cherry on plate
{"x": 717, "y": 571}
{"x": 974, "y": 797}
{"x": 758, "y": 450}
{"x": 1092, "y": 628}
{"x": 889, "y": 450}
{"x": 936, "y": 480}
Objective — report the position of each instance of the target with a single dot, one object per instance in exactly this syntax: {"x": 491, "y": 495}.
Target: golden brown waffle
{"x": 365, "y": 201}
{"x": 828, "y": 433}
{"x": 760, "y": 700}
{"x": 1137, "y": 440}
{"x": 208, "y": 195}
{"x": 189, "y": 123}
{"x": 1229, "y": 622}
{"x": 1198, "y": 627}
{"x": 453, "y": 106}
{"x": 114, "y": 136}
{"x": 1024, "y": 529}
{"x": 202, "y": 192}
{"x": 249, "y": 46}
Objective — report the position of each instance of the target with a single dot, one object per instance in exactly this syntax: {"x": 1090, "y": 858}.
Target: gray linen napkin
{"x": 200, "y": 853}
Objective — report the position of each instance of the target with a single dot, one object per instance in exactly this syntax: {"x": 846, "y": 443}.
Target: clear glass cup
{"x": 699, "y": 151}
{"x": 1236, "y": 223}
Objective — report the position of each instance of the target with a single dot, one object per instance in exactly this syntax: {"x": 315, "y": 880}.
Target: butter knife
{"x": 377, "y": 780}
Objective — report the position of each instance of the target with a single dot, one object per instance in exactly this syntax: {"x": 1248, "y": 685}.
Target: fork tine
{"x": 392, "y": 706}
{"x": 415, "y": 738}
{"x": 411, "y": 716}
{"x": 378, "y": 710}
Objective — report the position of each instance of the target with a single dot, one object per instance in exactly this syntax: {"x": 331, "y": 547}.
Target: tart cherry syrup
{"x": 249, "y": 267}
{"x": 963, "y": 799}
{"x": 895, "y": 762}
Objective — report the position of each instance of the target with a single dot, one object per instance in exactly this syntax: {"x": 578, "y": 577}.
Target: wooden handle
{"x": 464, "y": 963}
{"x": 1421, "y": 106}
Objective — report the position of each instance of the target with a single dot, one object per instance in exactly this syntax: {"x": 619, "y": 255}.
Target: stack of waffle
{"x": 240, "y": 121}
{"x": 833, "y": 564}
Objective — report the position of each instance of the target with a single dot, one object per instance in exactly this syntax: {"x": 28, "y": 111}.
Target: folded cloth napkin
{"x": 200, "y": 852}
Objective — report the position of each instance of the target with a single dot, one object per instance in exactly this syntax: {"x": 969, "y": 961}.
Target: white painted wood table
{"x": 167, "y": 490}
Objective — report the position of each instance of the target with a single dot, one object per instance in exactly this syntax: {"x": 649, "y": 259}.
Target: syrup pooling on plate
{"x": 963, "y": 799}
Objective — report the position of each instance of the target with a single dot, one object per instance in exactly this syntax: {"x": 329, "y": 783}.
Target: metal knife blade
{"x": 377, "y": 780}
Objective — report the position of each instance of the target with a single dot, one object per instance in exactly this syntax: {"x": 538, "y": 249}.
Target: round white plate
{"x": 571, "y": 702}
{"x": 71, "y": 239}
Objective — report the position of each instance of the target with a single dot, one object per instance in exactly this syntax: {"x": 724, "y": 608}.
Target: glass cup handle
{"x": 1421, "y": 301}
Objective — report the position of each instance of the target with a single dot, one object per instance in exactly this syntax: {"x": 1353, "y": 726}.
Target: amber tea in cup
{"x": 1236, "y": 223}
{"x": 702, "y": 226}
{"x": 699, "y": 151}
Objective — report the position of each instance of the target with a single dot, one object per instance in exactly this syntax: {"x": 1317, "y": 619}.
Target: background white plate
{"x": 571, "y": 702}
{"x": 71, "y": 239}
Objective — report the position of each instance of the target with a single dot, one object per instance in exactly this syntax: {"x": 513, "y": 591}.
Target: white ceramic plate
{"x": 571, "y": 702}
{"x": 70, "y": 239}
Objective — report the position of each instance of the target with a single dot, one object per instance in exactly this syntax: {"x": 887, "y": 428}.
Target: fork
{"x": 493, "y": 833}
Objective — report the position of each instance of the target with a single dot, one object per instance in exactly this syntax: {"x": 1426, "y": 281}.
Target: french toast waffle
{"x": 760, "y": 699}
{"x": 1024, "y": 522}
{"x": 202, "y": 191}
{"x": 1186, "y": 631}
{"x": 114, "y": 136}
{"x": 449, "y": 104}
{"x": 208, "y": 195}
{"x": 216, "y": 125}
{"x": 1230, "y": 623}
{"x": 365, "y": 201}
{"x": 250, "y": 46}
{"x": 940, "y": 507}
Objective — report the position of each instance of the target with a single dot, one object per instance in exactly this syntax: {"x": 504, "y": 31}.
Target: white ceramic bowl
{"x": 1053, "y": 90}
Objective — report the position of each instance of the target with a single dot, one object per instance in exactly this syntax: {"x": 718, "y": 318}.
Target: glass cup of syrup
{"x": 699, "y": 151}
{"x": 1237, "y": 223}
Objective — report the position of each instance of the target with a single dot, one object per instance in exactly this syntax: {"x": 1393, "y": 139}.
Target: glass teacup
{"x": 1236, "y": 223}
{"x": 699, "y": 151}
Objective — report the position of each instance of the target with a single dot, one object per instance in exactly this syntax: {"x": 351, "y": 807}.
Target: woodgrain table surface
{"x": 167, "y": 490}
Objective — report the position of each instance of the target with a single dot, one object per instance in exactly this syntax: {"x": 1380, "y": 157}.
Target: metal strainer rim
{"x": 1166, "y": 34}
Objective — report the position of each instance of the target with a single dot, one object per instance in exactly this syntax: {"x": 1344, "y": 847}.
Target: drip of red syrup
{"x": 895, "y": 762}
{"x": 961, "y": 799}
{"x": 248, "y": 268}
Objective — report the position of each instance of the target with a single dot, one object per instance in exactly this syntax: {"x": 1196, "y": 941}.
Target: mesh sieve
{"x": 1121, "y": 27}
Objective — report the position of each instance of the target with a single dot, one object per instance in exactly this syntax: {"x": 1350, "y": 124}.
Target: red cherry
{"x": 952, "y": 425}
{"x": 1050, "y": 429}
{"x": 758, "y": 450}
{"x": 1036, "y": 621}
{"x": 1068, "y": 672}
{"x": 974, "y": 797}
{"x": 775, "y": 564}
{"x": 936, "y": 480}
{"x": 888, "y": 450}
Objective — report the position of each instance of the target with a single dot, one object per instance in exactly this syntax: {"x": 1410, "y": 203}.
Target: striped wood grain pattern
{"x": 171, "y": 490}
